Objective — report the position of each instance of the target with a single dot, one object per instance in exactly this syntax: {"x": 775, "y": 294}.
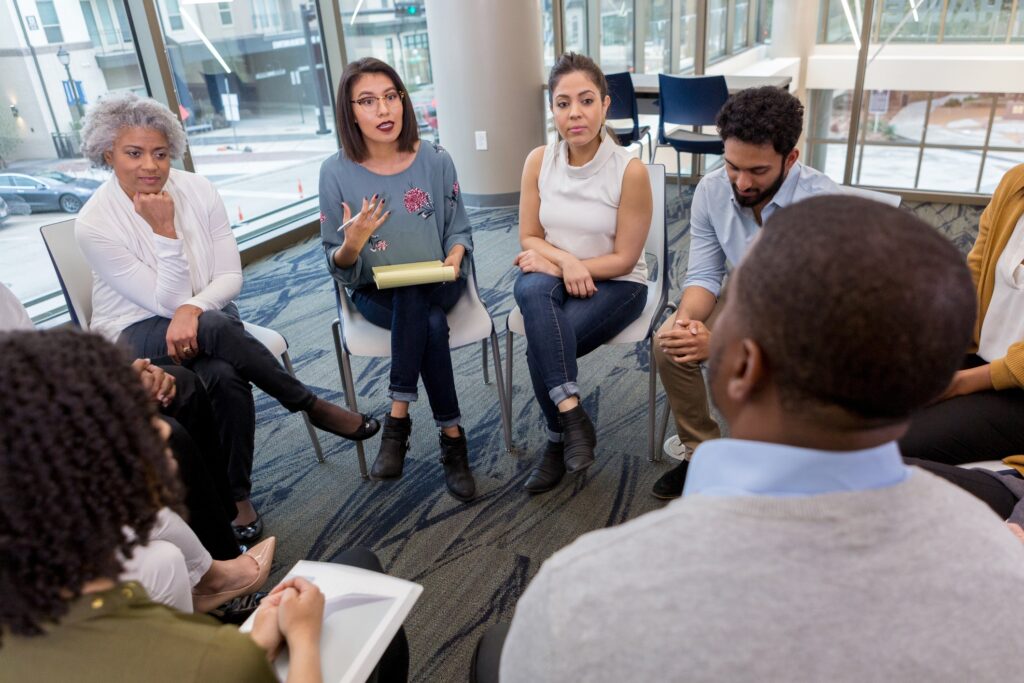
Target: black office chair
{"x": 620, "y": 89}
{"x": 690, "y": 101}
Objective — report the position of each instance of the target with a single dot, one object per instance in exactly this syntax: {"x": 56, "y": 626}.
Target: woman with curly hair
{"x": 81, "y": 462}
{"x": 409, "y": 209}
{"x": 167, "y": 268}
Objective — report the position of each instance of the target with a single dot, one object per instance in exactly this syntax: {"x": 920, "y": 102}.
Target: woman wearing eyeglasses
{"x": 386, "y": 198}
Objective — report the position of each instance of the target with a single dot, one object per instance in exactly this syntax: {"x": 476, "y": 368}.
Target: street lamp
{"x": 65, "y": 58}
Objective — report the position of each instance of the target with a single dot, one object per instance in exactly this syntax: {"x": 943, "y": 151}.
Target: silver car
{"x": 43, "y": 194}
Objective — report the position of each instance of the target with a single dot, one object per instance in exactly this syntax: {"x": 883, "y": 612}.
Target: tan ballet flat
{"x": 263, "y": 553}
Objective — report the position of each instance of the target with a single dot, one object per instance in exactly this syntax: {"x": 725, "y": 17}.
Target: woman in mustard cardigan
{"x": 981, "y": 414}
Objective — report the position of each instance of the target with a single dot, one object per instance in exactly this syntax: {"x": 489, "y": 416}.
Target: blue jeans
{"x": 419, "y": 341}
{"x": 561, "y": 328}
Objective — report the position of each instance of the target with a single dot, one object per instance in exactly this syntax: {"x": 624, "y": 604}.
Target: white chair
{"x": 75, "y": 278}
{"x": 643, "y": 328}
{"x": 887, "y": 198}
{"x": 468, "y": 322}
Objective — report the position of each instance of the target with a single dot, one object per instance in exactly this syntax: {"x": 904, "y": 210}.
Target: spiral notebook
{"x": 406, "y": 274}
{"x": 363, "y": 611}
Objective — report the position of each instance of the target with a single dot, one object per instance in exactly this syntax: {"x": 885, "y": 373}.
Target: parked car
{"x": 4, "y": 211}
{"x": 70, "y": 179}
{"x": 43, "y": 194}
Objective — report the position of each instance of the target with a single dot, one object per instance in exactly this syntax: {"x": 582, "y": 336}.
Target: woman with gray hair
{"x": 166, "y": 270}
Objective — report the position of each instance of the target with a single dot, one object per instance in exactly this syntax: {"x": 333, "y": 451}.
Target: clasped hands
{"x": 687, "y": 341}
{"x": 578, "y": 281}
{"x": 293, "y": 611}
{"x": 159, "y": 385}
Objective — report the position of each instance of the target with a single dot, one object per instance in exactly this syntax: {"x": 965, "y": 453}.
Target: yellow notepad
{"x": 407, "y": 274}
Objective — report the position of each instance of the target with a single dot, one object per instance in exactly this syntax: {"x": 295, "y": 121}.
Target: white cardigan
{"x": 138, "y": 274}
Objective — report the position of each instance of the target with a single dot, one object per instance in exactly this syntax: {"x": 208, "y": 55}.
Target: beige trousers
{"x": 687, "y": 393}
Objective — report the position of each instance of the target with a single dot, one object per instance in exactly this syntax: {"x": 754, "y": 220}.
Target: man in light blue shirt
{"x": 760, "y": 128}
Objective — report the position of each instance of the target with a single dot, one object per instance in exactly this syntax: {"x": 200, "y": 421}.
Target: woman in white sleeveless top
{"x": 584, "y": 212}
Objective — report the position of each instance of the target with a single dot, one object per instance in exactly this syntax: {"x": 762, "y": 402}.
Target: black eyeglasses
{"x": 369, "y": 102}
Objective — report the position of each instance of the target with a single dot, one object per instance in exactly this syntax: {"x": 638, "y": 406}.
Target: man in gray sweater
{"x": 803, "y": 548}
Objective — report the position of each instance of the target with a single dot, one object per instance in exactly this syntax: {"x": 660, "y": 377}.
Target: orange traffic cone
{"x": 301, "y": 196}
{"x": 240, "y": 217}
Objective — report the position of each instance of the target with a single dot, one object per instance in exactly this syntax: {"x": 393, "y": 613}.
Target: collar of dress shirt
{"x": 736, "y": 467}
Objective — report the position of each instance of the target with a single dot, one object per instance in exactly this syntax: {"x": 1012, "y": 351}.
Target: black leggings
{"x": 987, "y": 425}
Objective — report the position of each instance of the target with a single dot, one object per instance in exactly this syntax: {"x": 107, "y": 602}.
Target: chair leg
{"x": 305, "y": 416}
{"x": 345, "y": 370}
{"x": 483, "y": 357}
{"x": 650, "y": 148}
{"x": 506, "y": 414}
{"x": 508, "y": 373}
{"x": 679, "y": 173}
{"x": 652, "y": 406}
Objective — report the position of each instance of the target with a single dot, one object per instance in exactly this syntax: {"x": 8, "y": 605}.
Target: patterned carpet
{"x": 474, "y": 560}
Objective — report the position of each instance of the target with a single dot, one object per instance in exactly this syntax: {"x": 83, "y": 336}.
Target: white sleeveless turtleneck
{"x": 579, "y": 205}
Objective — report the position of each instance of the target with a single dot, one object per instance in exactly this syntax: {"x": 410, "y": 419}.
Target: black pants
{"x": 229, "y": 359}
{"x": 202, "y": 466}
{"x": 984, "y": 486}
{"x": 987, "y": 425}
{"x": 487, "y": 657}
{"x": 394, "y": 663}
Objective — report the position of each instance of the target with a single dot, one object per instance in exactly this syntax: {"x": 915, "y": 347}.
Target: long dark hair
{"x": 80, "y": 460}
{"x": 352, "y": 143}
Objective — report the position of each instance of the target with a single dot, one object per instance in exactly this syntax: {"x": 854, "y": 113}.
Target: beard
{"x": 763, "y": 196}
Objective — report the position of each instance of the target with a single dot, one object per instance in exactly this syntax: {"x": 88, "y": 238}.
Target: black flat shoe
{"x": 323, "y": 415}
{"x": 247, "y": 534}
{"x": 670, "y": 484}
{"x": 548, "y": 471}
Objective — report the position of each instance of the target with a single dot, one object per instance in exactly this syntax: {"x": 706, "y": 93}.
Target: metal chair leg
{"x": 506, "y": 414}
{"x": 679, "y": 173}
{"x": 664, "y": 426}
{"x": 650, "y": 149}
{"x": 305, "y": 416}
{"x": 652, "y": 407}
{"x": 345, "y": 370}
{"x": 483, "y": 357}
{"x": 508, "y": 373}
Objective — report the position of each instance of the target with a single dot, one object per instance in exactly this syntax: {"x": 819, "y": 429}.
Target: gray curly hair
{"x": 106, "y": 119}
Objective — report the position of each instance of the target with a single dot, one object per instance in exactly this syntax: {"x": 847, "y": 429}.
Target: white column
{"x": 487, "y": 62}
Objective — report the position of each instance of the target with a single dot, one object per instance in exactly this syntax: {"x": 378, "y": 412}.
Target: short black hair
{"x": 856, "y": 304}
{"x": 762, "y": 115}
{"x": 80, "y": 461}
{"x": 352, "y": 144}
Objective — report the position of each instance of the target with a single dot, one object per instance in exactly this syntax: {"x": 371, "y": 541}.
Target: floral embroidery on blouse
{"x": 377, "y": 244}
{"x": 323, "y": 217}
{"x": 417, "y": 201}
{"x": 454, "y": 198}
{"x": 437, "y": 148}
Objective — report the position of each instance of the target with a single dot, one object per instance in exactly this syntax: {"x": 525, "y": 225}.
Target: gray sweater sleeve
{"x": 457, "y": 229}
{"x": 331, "y": 218}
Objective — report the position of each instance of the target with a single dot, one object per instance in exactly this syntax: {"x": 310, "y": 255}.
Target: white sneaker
{"x": 674, "y": 448}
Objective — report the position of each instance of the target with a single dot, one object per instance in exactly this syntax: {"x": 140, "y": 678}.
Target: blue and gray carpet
{"x": 474, "y": 560}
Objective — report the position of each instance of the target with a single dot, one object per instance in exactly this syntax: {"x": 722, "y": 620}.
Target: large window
{"x": 931, "y": 141}
{"x": 43, "y": 176}
{"x": 397, "y": 34}
{"x": 925, "y": 21}
{"x": 616, "y": 35}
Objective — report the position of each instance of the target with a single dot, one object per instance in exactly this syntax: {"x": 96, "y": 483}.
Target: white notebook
{"x": 363, "y": 611}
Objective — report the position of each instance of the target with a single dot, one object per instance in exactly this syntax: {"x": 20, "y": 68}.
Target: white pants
{"x": 170, "y": 564}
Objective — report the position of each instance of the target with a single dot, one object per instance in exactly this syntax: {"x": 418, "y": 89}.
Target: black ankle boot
{"x": 578, "y": 438}
{"x": 549, "y": 470}
{"x": 455, "y": 459}
{"x": 394, "y": 444}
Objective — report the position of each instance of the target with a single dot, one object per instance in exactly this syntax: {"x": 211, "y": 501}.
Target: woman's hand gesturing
{"x": 370, "y": 217}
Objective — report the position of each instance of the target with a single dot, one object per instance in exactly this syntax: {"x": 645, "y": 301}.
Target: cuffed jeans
{"x": 561, "y": 328}
{"x": 419, "y": 341}
{"x": 229, "y": 359}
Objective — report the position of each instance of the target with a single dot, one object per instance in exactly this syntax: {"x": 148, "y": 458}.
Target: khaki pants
{"x": 687, "y": 393}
